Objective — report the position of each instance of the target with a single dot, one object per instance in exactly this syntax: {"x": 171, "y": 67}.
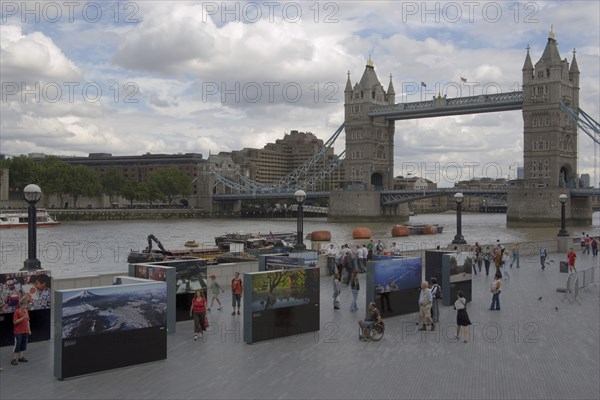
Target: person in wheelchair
{"x": 373, "y": 317}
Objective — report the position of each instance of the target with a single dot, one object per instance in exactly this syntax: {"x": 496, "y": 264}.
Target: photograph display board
{"x": 280, "y": 303}
{"x": 457, "y": 273}
{"x": 161, "y": 273}
{"x": 33, "y": 286}
{"x": 108, "y": 327}
{"x": 393, "y": 284}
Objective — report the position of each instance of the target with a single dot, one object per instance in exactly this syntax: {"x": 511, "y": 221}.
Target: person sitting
{"x": 371, "y": 318}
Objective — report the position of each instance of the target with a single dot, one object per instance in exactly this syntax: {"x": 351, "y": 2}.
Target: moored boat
{"x": 20, "y": 219}
{"x": 191, "y": 243}
{"x": 406, "y": 230}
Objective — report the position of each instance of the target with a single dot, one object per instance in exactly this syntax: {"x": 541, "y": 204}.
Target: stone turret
{"x": 369, "y": 141}
{"x": 391, "y": 93}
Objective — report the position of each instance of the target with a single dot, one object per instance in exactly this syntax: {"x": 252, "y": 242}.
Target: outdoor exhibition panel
{"x": 107, "y": 327}
{"x": 33, "y": 286}
{"x": 393, "y": 283}
{"x": 457, "y": 273}
{"x": 280, "y": 303}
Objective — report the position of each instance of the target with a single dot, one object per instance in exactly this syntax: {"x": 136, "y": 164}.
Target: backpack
{"x": 437, "y": 291}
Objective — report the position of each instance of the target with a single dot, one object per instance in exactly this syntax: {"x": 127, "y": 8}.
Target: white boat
{"x": 20, "y": 219}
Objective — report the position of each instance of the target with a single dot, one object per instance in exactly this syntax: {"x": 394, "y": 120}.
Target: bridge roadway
{"x": 395, "y": 196}
{"x": 536, "y": 347}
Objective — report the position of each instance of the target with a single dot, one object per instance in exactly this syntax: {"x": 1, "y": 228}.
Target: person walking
{"x": 354, "y": 287}
{"x": 198, "y": 312}
{"x": 587, "y": 242}
{"x": 337, "y": 288}
{"x": 594, "y": 245}
{"x": 571, "y": 256}
{"x": 477, "y": 257}
{"x": 331, "y": 253}
{"x": 436, "y": 295}
{"x": 543, "y": 255}
{"x": 497, "y": 260}
{"x": 515, "y": 255}
{"x": 359, "y": 259}
{"x": 495, "y": 289}
{"x": 462, "y": 317}
{"x": 425, "y": 300}
{"x": 215, "y": 288}
{"x": 487, "y": 258}
{"x": 21, "y": 330}
{"x": 236, "y": 293}
{"x": 505, "y": 273}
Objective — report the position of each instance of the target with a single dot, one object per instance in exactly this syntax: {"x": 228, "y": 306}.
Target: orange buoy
{"x": 400, "y": 230}
{"x": 361, "y": 233}
{"x": 429, "y": 230}
{"x": 320, "y": 236}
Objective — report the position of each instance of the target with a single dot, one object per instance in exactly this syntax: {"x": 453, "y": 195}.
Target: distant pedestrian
{"x": 487, "y": 258}
{"x": 594, "y": 245}
{"x": 21, "y": 330}
{"x": 379, "y": 248}
{"x": 365, "y": 255}
{"x": 337, "y": 289}
{"x": 215, "y": 288}
{"x": 436, "y": 295}
{"x": 571, "y": 256}
{"x": 587, "y": 242}
{"x": 359, "y": 259}
{"x": 497, "y": 261}
{"x": 462, "y": 317}
{"x": 515, "y": 255}
{"x": 354, "y": 287}
{"x": 495, "y": 289}
{"x": 370, "y": 248}
{"x": 582, "y": 241}
{"x": 236, "y": 293}
{"x": 331, "y": 252}
{"x": 198, "y": 312}
{"x": 425, "y": 300}
{"x": 543, "y": 255}
{"x": 505, "y": 273}
{"x": 477, "y": 256}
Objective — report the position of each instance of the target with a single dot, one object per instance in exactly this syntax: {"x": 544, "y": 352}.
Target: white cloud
{"x": 181, "y": 61}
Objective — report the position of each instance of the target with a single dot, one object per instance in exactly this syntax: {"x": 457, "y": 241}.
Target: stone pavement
{"x": 531, "y": 349}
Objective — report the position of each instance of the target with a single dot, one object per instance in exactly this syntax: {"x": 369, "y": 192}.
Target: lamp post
{"x": 300, "y": 196}
{"x": 32, "y": 194}
{"x": 563, "y": 231}
{"x": 458, "y": 238}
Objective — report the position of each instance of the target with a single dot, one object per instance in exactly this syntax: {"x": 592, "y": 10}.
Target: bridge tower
{"x": 369, "y": 163}
{"x": 549, "y": 141}
{"x": 369, "y": 141}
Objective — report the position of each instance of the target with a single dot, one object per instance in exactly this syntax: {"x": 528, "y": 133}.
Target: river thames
{"x": 85, "y": 248}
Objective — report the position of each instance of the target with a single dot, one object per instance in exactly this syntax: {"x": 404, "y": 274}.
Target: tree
{"x": 54, "y": 176}
{"x": 170, "y": 182}
{"x": 112, "y": 182}
{"x": 84, "y": 182}
{"x": 22, "y": 172}
{"x": 135, "y": 191}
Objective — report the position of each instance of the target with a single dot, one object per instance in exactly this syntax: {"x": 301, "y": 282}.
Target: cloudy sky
{"x": 167, "y": 77}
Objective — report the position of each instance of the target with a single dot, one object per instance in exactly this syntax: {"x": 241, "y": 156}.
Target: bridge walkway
{"x": 532, "y": 349}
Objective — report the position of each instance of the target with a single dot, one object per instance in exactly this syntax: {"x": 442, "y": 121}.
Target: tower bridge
{"x": 551, "y": 116}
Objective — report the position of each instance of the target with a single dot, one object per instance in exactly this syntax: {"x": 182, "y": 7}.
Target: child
{"x": 214, "y": 289}
{"x": 22, "y": 332}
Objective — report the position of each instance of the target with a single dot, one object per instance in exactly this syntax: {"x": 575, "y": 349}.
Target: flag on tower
{"x": 463, "y": 79}
{"x": 423, "y": 84}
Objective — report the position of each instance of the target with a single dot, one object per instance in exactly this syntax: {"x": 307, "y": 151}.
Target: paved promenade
{"x": 531, "y": 349}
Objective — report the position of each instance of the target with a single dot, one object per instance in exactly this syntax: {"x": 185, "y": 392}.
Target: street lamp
{"x": 300, "y": 196}
{"x": 458, "y": 239}
{"x": 32, "y": 194}
{"x": 563, "y": 231}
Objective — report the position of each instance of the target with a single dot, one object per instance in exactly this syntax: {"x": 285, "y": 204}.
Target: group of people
{"x": 198, "y": 307}
{"x": 344, "y": 260}
{"x": 588, "y": 243}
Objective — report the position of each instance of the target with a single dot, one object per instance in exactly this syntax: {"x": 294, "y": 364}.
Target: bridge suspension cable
{"x": 299, "y": 178}
{"x": 590, "y": 127}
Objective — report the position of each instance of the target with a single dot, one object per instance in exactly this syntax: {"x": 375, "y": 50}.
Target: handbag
{"x": 205, "y": 322}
